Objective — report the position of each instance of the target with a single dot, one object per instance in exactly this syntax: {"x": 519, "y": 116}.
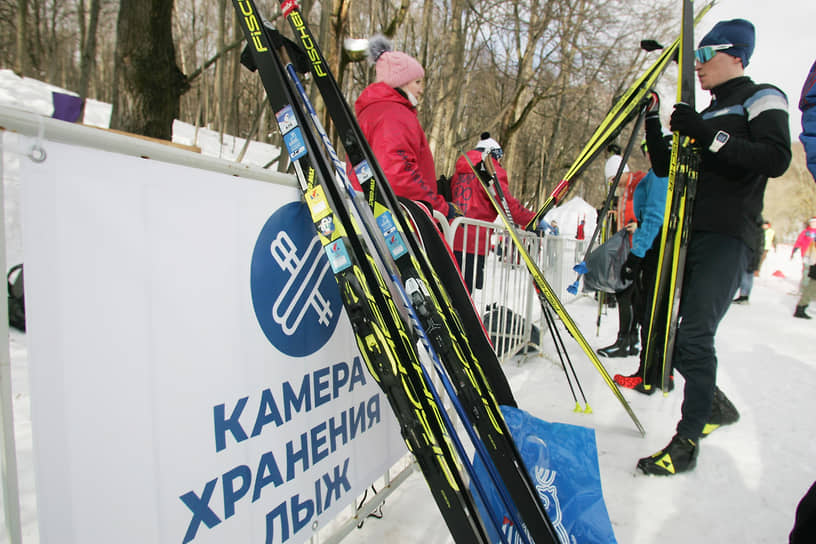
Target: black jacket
{"x": 732, "y": 180}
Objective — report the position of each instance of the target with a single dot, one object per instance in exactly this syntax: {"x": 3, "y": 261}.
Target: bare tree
{"x": 21, "y": 66}
{"x": 147, "y": 81}
{"x": 87, "y": 40}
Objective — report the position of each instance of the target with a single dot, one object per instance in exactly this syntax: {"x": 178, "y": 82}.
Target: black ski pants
{"x": 714, "y": 264}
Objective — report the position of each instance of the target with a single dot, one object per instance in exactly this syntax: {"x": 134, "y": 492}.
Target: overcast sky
{"x": 785, "y": 44}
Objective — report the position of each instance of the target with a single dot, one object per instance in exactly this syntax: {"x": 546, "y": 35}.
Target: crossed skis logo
{"x": 294, "y": 294}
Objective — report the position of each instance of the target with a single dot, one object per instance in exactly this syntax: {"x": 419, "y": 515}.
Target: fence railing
{"x": 501, "y": 286}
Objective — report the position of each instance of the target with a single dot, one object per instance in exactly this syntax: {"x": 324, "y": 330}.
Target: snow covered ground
{"x": 749, "y": 477}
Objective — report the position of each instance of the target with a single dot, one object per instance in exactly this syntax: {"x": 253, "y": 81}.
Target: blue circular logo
{"x": 294, "y": 293}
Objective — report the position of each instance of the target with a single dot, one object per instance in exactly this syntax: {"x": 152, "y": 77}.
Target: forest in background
{"x": 538, "y": 75}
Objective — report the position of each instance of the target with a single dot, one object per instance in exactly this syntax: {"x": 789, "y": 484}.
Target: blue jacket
{"x": 649, "y": 202}
{"x": 807, "y": 103}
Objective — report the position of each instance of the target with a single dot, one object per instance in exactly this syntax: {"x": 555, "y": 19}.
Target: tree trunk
{"x": 21, "y": 66}
{"x": 220, "y": 68}
{"x": 88, "y": 45}
{"x": 147, "y": 82}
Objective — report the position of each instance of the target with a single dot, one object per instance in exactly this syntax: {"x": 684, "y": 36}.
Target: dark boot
{"x": 619, "y": 349}
{"x": 800, "y": 312}
{"x": 679, "y": 456}
{"x": 648, "y": 389}
{"x": 634, "y": 342}
{"x": 723, "y": 412}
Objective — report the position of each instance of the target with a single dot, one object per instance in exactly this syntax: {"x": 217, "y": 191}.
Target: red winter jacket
{"x": 626, "y": 211}
{"x": 804, "y": 240}
{"x": 468, "y": 194}
{"x": 389, "y": 123}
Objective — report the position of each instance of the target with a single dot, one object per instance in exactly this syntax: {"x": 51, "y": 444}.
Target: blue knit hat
{"x": 736, "y": 31}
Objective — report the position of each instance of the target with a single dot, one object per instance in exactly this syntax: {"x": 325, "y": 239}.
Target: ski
{"x": 453, "y": 343}
{"x": 547, "y": 296}
{"x": 683, "y": 170}
{"x": 385, "y": 343}
{"x": 623, "y": 111}
{"x": 415, "y": 296}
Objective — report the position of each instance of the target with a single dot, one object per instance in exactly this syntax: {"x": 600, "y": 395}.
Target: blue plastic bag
{"x": 562, "y": 461}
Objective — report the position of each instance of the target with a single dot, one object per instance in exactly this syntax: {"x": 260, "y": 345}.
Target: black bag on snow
{"x": 16, "y": 297}
{"x": 505, "y": 327}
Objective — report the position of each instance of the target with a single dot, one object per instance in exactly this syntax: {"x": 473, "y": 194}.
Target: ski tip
{"x": 588, "y": 409}
{"x": 578, "y": 407}
{"x": 581, "y": 268}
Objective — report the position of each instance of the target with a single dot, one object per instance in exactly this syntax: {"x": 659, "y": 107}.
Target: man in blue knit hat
{"x": 744, "y": 139}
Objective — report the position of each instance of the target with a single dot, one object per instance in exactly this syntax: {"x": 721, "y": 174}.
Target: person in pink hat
{"x": 386, "y": 111}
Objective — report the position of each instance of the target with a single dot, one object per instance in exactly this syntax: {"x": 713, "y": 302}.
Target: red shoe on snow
{"x": 628, "y": 382}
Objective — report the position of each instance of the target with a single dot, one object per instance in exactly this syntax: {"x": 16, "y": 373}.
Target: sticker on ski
{"x": 363, "y": 171}
{"x": 338, "y": 256}
{"x": 392, "y": 236}
{"x": 316, "y": 200}
{"x": 286, "y": 119}
{"x": 295, "y": 144}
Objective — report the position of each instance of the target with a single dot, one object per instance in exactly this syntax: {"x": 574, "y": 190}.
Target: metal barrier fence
{"x": 502, "y": 289}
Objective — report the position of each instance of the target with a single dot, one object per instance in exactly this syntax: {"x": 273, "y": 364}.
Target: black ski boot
{"x": 723, "y": 412}
{"x": 679, "y": 456}
{"x": 619, "y": 349}
{"x": 800, "y": 312}
{"x": 634, "y": 342}
{"x": 648, "y": 389}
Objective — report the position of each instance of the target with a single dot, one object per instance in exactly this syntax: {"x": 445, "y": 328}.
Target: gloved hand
{"x": 688, "y": 122}
{"x": 631, "y": 267}
{"x": 454, "y": 211}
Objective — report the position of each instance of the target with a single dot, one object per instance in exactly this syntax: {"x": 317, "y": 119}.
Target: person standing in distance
{"x": 744, "y": 139}
{"x": 471, "y": 243}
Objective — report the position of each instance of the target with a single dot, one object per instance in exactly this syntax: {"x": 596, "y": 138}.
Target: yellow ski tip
{"x": 588, "y": 409}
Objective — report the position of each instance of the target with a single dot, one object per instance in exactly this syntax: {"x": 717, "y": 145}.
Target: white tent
{"x": 569, "y": 214}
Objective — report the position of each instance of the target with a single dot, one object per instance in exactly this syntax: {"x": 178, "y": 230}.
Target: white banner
{"x": 193, "y": 375}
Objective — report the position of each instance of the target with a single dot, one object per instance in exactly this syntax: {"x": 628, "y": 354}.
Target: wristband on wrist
{"x": 719, "y": 140}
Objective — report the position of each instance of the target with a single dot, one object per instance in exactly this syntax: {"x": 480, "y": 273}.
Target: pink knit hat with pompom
{"x": 394, "y": 68}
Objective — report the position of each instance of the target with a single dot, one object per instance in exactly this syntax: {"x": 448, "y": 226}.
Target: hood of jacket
{"x": 380, "y": 94}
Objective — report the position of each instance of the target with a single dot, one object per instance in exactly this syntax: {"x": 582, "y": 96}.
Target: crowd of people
{"x": 744, "y": 140}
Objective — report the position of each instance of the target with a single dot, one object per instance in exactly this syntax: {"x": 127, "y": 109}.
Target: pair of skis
{"x": 393, "y": 297}
{"x": 623, "y": 111}
{"x": 683, "y": 173}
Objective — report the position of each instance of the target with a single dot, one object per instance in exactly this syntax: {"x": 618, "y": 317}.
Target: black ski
{"x": 683, "y": 172}
{"x": 432, "y": 302}
{"x": 386, "y": 344}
